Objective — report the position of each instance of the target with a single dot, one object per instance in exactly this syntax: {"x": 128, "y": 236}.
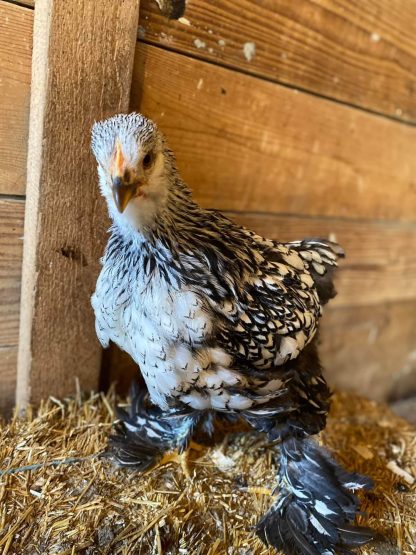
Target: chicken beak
{"x": 122, "y": 193}
{"x": 123, "y": 189}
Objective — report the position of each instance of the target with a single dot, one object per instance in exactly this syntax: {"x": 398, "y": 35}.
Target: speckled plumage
{"x": 217, "y": 318}
{"x": 191, "y": 330}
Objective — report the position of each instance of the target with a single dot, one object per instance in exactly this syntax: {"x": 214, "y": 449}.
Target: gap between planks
{"x": 28, "y": 4}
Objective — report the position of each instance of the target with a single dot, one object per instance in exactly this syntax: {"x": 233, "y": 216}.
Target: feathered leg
{"x": 145, "y": 434}
{"x": 316, "y": 506}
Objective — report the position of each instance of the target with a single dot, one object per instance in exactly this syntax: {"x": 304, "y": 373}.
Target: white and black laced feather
{"x": 144, "y": 433}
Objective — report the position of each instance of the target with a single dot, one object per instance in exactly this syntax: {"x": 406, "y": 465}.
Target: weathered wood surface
{"x": 11, "y": 247}
{"x": 246, "y": 144}
{"x": 314, "y": 145}
{"x": 118, "y": 368}
{"x": 361, "y": 52}
{"x": 371, "y": 350}
{"x": 243, "y": 144}
{"x": 8, "y": 363}
{"x": 82, "y": 61}
{"x": 368, "y": 349}
{"x": 15, "y": 62}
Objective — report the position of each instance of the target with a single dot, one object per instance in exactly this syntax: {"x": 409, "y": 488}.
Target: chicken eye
{"x": 147, "y": 160}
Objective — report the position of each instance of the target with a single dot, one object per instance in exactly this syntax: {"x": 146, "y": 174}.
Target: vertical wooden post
{"x": 82, "y": 64}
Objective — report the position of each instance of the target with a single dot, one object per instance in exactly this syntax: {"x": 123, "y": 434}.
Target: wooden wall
{"x": 80, "y": 71}
{"x": 16, "y": 24}
{"x": 297, "y": 119}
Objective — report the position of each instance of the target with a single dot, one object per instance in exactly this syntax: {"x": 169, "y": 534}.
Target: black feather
{"x": 313, "y": 513}
{"x": 145, "y": 432}
{"x": 329, "y": 253}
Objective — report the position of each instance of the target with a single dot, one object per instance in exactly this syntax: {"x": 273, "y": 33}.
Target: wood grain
{"x": 11, "y": 247}
{"x": 8, "y": 364}
{"x": 15, "y": 63}
{"x": 369, "y": 350}
{"x": 11, "y": 250}
{"x": 28, "y": 3}
{"x": 246, "y": 144}
{"x": 359, "y": 52}
{"x": 82, "y": 62}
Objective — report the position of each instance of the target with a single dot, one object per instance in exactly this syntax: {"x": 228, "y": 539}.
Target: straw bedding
{"x": 58, "y": 496}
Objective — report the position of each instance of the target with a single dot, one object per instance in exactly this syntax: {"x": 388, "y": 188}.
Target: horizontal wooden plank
{"x": 361, "y": 52}
{"x": 15, "y": 74}
{"x": 11, "y": 252}
{"x": 371, "y": 349}
{"x": 246, "y": 144}
{"x": 380, "y": 265}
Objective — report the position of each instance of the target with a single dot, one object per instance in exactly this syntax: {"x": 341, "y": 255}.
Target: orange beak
{"x": 119, "y": 159}
{"x": 123, "y": 190}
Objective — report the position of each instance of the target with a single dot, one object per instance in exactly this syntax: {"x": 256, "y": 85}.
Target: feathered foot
{"x": 145, "y": 436}
{"x": 315, "y": 509}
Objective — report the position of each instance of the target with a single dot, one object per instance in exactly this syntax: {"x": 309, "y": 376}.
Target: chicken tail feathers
{"x": 321, "y": 259}
{"x": 314, "y": 511}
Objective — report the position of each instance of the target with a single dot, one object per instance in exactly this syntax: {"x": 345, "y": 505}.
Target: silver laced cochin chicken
{"x": 220, "y": 321}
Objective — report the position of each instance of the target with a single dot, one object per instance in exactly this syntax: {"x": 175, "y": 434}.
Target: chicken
{"x": 220, "y": 321}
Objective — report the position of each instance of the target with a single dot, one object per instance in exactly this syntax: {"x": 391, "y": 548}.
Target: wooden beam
{"x": 81, "y": 71}
{"x": 362, "y": 53}
{"x": 246, "y": 144}
{"x": 15, "y": 64}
